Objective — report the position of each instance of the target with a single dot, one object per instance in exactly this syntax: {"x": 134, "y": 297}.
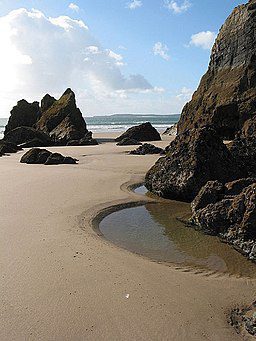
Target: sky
{"x": 119, "y": 56}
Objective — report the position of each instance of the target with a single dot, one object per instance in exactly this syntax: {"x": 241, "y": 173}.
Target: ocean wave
{"x": 100, "y": 128}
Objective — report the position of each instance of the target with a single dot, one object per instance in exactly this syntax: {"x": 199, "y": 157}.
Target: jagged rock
{"x": 192, "y": 159}
{"x": 143, "y": 133}
{"x": 23, "y": 114}
{"x": 43, "y": 156}
{"x": 237, "y": 186}
{"x": 245, "y": 318}
{"x": 172, "y": 131}
{"x": 147, "y": 148}
{"x": 86, "y": 141}
{"x": 35, "y": 156}
{"x": 47, "y": 102}
{"x": 128, "y": 142}
{"x": 8, "y": 147}
{"x": 23, "y": 135}
{"x": 230, "y": 214}
{"x": 226, "y": 94}
{"x": 63, "y": 121}
{"x": 211, "y": 193}
{"x": 56, "y": 159}
{"x": 237, "y": 212}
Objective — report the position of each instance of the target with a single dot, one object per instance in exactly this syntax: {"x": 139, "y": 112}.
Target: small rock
{"x": 147, "y": 148}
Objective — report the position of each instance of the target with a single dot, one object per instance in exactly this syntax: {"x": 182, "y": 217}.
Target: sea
{"x": 119, "y": 122}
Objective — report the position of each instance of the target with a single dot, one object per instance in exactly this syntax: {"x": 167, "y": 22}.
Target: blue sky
{"x": 149, "y": 38}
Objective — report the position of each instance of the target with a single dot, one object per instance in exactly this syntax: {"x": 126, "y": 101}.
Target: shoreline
{"x": 61, "y": 281}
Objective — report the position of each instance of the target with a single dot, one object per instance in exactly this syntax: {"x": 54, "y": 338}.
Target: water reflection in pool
{"x": 153, "y": 230}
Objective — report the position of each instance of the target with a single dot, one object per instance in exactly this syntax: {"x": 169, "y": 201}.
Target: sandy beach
{"x": 62, "y": 281}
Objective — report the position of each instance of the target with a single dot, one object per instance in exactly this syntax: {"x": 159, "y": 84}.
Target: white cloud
{"x": 161, "y": 50}
{"x": 74, "y": 7}
{"x": 134, "y": 4}
{"x": 205, "y": 40}
{"x": 185, "y": 94}
{"x": 46, "y": 55}
{"x": 176, "y": 7}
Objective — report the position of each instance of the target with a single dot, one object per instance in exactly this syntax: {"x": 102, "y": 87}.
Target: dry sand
{"x": 61, "y": 281}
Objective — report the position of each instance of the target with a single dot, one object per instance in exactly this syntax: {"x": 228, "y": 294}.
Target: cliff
{"x": 226, "y": 96}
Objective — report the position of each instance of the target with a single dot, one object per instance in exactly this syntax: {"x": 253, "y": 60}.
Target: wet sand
{"x": 61, "y": 281}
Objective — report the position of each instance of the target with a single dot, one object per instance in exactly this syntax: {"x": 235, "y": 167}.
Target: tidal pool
{"x": 153, "y": 230}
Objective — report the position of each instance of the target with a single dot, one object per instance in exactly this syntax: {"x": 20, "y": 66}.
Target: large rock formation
{"x": 226, "y": 94}
{"x": 63, "y": 121}
{"x": 192, "y": 159}
{"x": 24, "y": 114}
{"x": 57, "y": 122}
{"x": 144, "y": 132}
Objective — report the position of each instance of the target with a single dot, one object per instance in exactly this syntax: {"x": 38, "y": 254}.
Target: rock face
{"x": 226, "y": 94}
{"x": 63, "y": 121}
{"x": 147, "y": 148}
{"x": 24, "y": 114}
{"x": 243, "y": 147}
{"x": 230, "y": 212}
{"x": 43, "y": 156}
{"x": 192, "y": 159}
{"x": 143, "y": 133}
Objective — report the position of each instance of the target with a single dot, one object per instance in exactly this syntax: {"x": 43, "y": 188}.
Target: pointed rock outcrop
{"x": 63, "y": 121}
{"x": 226, "y": 94}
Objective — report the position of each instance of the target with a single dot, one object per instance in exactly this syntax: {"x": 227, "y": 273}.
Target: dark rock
{"x": 211, "y": 193}
{"x": 231, "y": 215}
{"x": 43, "y": 156}
{"x": 226, "y": 94}
{"x": 244, "y": 150}
{"x": 34, "y": 143}
{"x": 56, "y": 159}
{"x": 22, "y": 135}
{"x": 147, "y": 148}
{"x": 8, "y": 147}
{"x": 47, "y": 102}
{"x": 23, "y": 114}
{"x": 35, "y": 156}
{"x": 128, "y": 142}
{"x": 63, "y": 121}
{"x": 193, "y": 158}
{"x": 214, "y": 219}
{"x": 83, "y": 142}
{"x": 143, "y": 133}
{"x": 237, "y": 186}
